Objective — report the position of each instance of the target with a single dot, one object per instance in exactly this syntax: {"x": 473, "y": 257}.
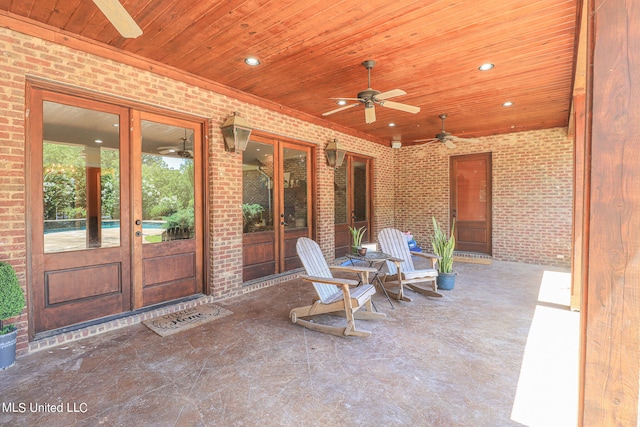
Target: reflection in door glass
{"x": 360, "y": 192}
{"x": 167, "y": 183}
{"x": 80, "y": 178}
{"x": 341, "y": 207}
{"x": 295, "y": 188}
{"x": 257, "y": 184}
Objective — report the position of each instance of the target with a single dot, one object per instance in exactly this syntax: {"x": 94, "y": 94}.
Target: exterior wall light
{"x": 236, "y": 132}
{"x": 335, "y": 156}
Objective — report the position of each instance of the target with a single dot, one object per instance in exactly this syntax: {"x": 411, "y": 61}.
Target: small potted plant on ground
{"x": 443, "y": 246}
{"x": 11, "y": 304}
{"x": 357, "y": 234}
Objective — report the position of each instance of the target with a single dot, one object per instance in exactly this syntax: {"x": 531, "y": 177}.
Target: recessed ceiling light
{"x": 507, "y": 104}
{"x": 115, "y": 125}
{"x": 98, "y": 141}
{"x": 252, "y": 61}
{"x": 342, "y": 102}
{"x": 485, "y": 67}
{"x": 392, "y": 124}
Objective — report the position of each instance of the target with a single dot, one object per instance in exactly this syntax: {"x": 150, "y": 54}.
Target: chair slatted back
{"x": 393, "y": 242}
{"x": 315, "y": 265}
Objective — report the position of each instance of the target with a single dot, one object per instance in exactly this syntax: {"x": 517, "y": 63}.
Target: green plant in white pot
{"x": 443, "y": 246}
{"x": 11, "y": 304}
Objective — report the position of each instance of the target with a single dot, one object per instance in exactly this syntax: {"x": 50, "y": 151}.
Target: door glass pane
{"x": 359, "y": 191}
{"x": 257, "y": 184}
{"x": 80, "y": 178}
{"x": 295, "y": 188}
{"x": 472, "y": 190}
{"x": 341, "y": 207}
{"x": 167, "y": 183}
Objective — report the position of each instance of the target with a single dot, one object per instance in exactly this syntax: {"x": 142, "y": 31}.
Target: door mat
{"x": 473, "y": 258}
{"x": 188, "y": 318}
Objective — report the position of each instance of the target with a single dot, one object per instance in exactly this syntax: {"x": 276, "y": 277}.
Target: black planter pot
{"x": 446, "y": 281}
{"x": 8, "y": 349}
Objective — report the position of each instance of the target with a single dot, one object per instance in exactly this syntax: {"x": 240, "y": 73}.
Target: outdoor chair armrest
{"x": 426, "y": 255}
{"x": 344, "y": 283}
{"x": 353, "y": 268}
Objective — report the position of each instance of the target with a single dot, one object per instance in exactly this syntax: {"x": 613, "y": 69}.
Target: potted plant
{"x": 11, "y": 304}
{"x": 443, "y": 246}
{"x": 250, "y": 212}
{"x": 357, "y": 234}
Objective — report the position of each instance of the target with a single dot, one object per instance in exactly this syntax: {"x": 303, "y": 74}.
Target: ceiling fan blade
{"x": 339, "y": 109}
{"x": 390, "y": 94}
{"x": 401, "y": 107}
{"x": 457, "y": 138}
{"x": 427, "y": 141}
{"x": 449, "y": 143}
{"x": 348, "y": 99}
{"x": 119, "y": 17}
{"x": 370, "y": 115}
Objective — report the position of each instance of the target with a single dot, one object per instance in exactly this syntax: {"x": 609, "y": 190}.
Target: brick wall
{"x": 23, "y": 56}
{"x": 532, "y": 193}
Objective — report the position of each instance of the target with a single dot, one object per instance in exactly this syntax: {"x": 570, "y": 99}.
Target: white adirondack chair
{"x": 402, "y": 271}
{"x": 334, "y": 295}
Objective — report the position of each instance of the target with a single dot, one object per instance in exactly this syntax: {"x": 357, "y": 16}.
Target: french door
{"x": 352, "y": 201}
{"x": 277, "y": 204}
{"x": 115, "y": 216}
{"x": 471, "y": 197}
{"x": 167, "y": 209}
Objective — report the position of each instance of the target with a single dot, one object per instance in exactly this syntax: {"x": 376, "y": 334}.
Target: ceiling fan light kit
{"x": 370, "y": 97}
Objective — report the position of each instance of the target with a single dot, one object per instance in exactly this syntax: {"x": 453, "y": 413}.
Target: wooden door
{"x": 296, "y": 202}
{"x": 260, "y": 162}
{"x": 167, "y": 209}
{"x": 352, "y": 201}
{"x": 470, "y": 183}
{"x": 79, "y": 215}
{"x": 98, "y": 241}
{"x": 277, "y": 204}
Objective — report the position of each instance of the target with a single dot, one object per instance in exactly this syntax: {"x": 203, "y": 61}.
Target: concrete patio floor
{"x": 501, "y": 349}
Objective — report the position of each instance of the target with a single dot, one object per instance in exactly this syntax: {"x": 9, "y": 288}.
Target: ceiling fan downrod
{"x": 368, "y": 64}
{"x": 442, "y": 117}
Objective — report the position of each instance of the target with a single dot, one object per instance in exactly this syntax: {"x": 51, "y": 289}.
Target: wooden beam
{"x": 611, "y": 345}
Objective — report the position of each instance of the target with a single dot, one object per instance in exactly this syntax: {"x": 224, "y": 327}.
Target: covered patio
{"x": 501, "y": 349}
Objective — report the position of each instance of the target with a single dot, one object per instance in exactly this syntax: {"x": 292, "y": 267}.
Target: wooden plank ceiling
{"x": 311, "y": 51}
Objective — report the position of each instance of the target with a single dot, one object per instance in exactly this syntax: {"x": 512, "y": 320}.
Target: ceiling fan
{"x": 119, "y": 17}
{"x": 370, "y": 97}
{"x": 176, "y": 149}
{"x": 445, "y": 137}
